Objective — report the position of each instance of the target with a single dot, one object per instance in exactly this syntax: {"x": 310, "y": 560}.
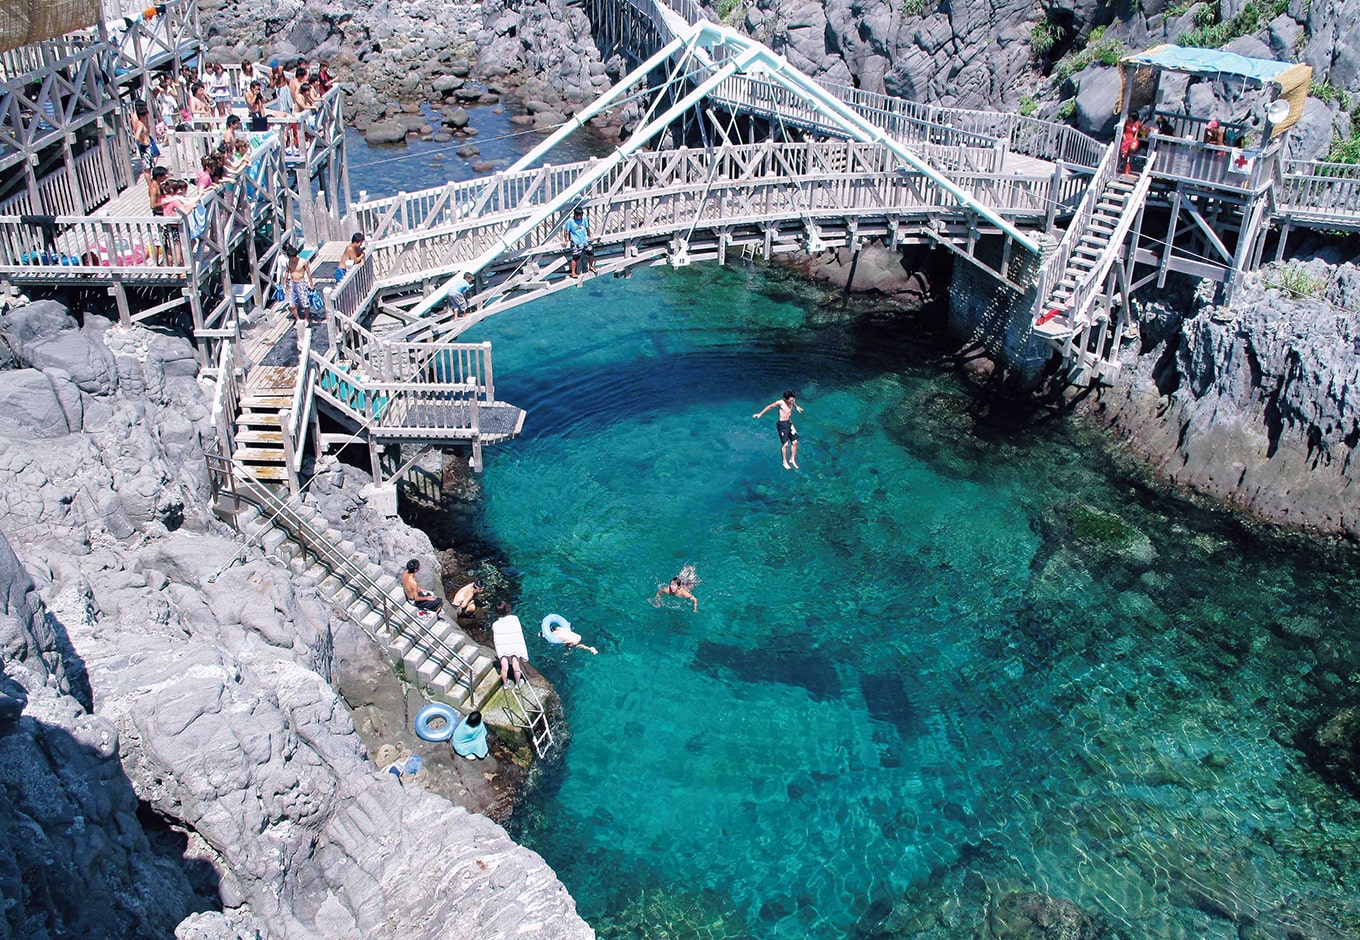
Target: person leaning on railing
{"x": 259, "y": 120}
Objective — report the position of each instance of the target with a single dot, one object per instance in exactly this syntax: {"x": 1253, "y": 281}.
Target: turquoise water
{"x": 951, "y": 659}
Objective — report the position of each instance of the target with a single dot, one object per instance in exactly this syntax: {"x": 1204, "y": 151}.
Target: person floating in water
{"x": 682, "y": 585}
{"x": 788, "y": 434}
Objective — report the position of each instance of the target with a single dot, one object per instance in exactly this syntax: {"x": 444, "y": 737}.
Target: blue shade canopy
{"x": 1210, "y": 63}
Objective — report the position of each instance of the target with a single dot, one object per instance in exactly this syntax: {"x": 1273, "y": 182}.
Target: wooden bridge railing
{"x": 752, "y": 95}
{"x": 148, "y": 42}
{"x": 89, "y": 245}
{"x": 1312, "y": 190}
{"x": 1032, "y": 137}
{"x": 95, "y": 183}
{"x": 23, "y": 62}
{"x": 418, "y": 212}
{"x": 441, "y": 395}
{"x": 673, "y": 191}
{"x": 1223, "y": 167}
{"x": 1029, "y": 136}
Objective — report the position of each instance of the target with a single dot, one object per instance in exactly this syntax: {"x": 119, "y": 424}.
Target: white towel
{"x": 509, "y": 637}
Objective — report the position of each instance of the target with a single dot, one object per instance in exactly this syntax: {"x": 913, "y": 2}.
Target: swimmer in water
{"x": 680, "y": 586}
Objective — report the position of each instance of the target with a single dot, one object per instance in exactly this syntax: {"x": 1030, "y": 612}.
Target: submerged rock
{"x": 1334, "y": 747}
{"x": 1035, "y": 916}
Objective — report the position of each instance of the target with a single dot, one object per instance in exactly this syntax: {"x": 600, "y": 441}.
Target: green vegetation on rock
{"x": 1028, "y": 106}
{"x": 1296, "y": 282}
{"x": 1210, "y": 34}
{"x": 727, "y": 9}
{"x": 913, "y": 7}
{"x": 1044, "y": 36}
{"x": 1098, "y": 48}
{"x": 1067, "y": 110}
{"x": 1094, "y": 525}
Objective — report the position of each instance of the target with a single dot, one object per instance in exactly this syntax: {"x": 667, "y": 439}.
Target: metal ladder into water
{"x": 525, "y": 710}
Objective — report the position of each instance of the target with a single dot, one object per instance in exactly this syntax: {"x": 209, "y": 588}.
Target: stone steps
{"x": 433, "y": 652}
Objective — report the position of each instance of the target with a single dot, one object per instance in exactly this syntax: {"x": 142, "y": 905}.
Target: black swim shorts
{"x": 787, "y": 432}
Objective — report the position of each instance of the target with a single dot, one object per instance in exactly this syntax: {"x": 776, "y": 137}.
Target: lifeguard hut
{"x": 1198, "y": 196}
{"x": 1212, "y": 185}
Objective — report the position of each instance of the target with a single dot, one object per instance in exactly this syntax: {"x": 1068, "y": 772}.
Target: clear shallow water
{"x": 384, "y": 170}
{"x": 945, "y": 663}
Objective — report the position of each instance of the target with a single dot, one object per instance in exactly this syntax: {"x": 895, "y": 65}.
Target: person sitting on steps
{"x": 423, "y": 600}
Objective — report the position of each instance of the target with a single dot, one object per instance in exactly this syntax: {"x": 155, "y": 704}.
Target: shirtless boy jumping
{"x": 788, "y": 434}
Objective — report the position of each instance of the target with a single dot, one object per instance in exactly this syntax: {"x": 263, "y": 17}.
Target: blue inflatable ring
{"x": 433, "y": 711}
{"x": 551, "y": 623}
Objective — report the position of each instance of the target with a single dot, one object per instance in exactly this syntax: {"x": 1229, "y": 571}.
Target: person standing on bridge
{"x": 458, "y": 298}
{"x": 788, "y": 434}
{"x": 576, "y": 238}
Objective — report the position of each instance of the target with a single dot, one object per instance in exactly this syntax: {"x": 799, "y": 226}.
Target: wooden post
{"x": 1170, "y": 235}
{"x": 318, "y": 450}
{"x": 289, "y": 448}
{"x": 1054, "y": 188}
{"x": 375, "y": 461}
{"x": 120, "y": 298}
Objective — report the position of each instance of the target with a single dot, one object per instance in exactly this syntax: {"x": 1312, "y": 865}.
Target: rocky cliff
{"x": 1253, "y": 404}
{"x": 177, "y": 754}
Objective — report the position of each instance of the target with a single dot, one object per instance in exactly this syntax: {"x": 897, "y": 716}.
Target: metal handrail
{"x": 221, "y": 470}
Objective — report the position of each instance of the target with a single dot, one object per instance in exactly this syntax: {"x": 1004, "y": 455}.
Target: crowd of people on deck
{"x": 181, "y": 99}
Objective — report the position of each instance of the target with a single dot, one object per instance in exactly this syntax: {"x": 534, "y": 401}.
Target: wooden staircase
{"x": 1082, "y": 308}
{"x": 1092, "y": 245}
{"x": 260, "y": 435}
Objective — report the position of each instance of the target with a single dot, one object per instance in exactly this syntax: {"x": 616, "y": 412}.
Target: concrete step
{"x": 272, "y": 540}
{"x": 486, "y": 687}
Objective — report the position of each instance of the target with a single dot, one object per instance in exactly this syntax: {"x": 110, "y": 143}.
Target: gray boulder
{"x": 1311, "y": 138}
{"x": 385, "y": 132}
{"x": 81, "y": 355}
{"x": 468, "y": 151}
{"x": 36, "y": 320}
{"x": 1097, "y": 100}
{"x": 74, "y": 859}
{"x": 30, "y": 406}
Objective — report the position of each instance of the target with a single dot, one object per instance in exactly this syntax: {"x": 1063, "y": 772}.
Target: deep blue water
{"x": 952, "y": 662}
